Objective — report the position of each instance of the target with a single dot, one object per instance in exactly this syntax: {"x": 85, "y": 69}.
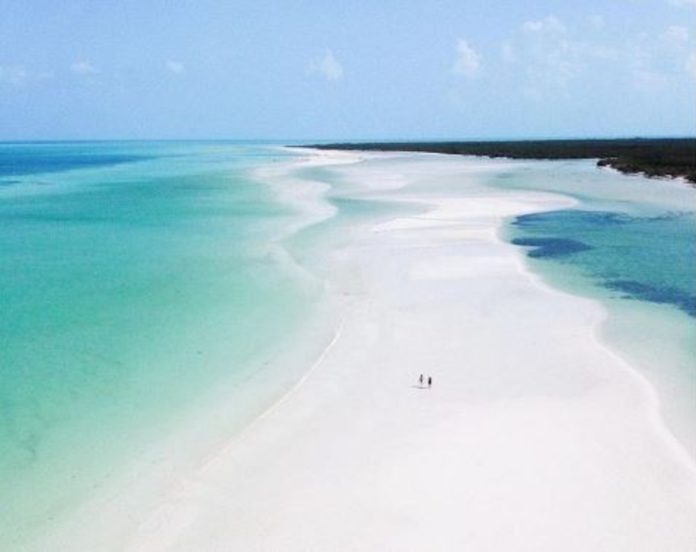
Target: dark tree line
{"x": 652, "y": 156}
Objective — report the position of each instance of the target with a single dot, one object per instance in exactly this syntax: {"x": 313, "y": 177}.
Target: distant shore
{"x": 654, "y": 157}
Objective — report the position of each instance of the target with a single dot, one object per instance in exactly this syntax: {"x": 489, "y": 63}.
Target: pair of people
{"x": 430, "y": 380}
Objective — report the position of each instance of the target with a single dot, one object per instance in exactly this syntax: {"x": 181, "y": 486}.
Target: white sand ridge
{"x": 534, "y": 436}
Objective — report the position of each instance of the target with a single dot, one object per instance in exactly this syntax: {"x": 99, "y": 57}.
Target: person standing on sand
{"x": 430, "y": 382}
{"x": 420, "y": 380}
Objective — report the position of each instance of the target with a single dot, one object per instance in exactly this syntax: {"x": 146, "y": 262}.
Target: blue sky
{"x": 309, "y": 69}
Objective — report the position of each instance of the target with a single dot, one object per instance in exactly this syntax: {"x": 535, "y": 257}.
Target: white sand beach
{"x": 535, "y": 435}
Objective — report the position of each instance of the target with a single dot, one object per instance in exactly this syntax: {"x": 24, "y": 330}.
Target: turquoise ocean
{"x": 138, "y": 279}
{"x": 141, "y": 281}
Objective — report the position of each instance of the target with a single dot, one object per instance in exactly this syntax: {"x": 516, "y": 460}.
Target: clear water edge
{"x": 235, "y": 400}
{"x": 60, "y": 470}
{"x": 655, "y": 335}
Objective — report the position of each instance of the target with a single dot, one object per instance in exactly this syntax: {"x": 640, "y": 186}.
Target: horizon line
{"x": 352, "y": 140}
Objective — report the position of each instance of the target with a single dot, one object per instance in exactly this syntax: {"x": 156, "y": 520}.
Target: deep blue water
{"x": 647, "y": 258}
{"x": 551, "y": 247}
{"x": 31, "y": 158}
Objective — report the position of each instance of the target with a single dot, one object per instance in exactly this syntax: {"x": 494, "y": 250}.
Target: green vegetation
{"x": 651, "y": 156}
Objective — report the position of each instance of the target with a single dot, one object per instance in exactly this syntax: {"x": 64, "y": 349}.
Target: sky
{"x": 348, "y": 70}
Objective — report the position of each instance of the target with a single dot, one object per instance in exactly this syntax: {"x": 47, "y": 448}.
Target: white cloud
{"x": 14, "y": 75}
{"x": 83, "y": 68}
{"x": 550, "y": 61}
{"x": 175, "y": 67}
{"x": 659, "y": 62}
{"x": 546, "y": 60}
{"x": 468, "y": 61}
{"x": 328, "y": 67}
{"x": 549, "y": 24}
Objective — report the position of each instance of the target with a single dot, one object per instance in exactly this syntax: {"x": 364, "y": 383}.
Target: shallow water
{"x": 136, "y": 278}
{"x": 642, "y": 258}
{"x": 147, "y": 287}
{"x": 631, "y": 243}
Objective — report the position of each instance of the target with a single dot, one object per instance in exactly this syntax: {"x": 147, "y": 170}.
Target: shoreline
{"x": 650, "y": 390}
{"x": 673, "y": 158}
{"x": 237, "y": 484}
{"x": 139, "y": 484}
